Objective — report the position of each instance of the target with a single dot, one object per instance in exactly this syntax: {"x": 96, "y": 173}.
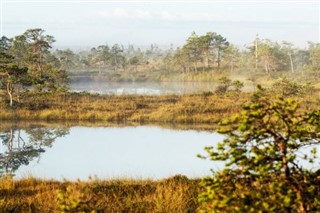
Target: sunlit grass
{"x": 175, "y": 194}
{"x": 193, "y": 108}
{"x": 203, "y": 108}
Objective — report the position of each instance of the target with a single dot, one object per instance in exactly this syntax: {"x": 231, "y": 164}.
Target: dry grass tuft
{"x": 176, "y": 194}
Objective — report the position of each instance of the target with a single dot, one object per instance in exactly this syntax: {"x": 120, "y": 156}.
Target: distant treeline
{"x": 209, "y": 52}
{"x": 28, "y": 61}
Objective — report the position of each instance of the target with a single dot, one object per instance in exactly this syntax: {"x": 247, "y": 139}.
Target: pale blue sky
{"x": 86, "y": 24}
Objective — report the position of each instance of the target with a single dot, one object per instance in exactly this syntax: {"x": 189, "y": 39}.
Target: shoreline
{"x": 203, "y": 108}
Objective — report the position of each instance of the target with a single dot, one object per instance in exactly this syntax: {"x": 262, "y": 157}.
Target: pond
{"x": 58, "y": 152}
{"x": 139, "y": 88}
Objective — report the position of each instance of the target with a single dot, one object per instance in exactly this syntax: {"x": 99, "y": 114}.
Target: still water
{"x": 105, "y": 152}
{"x": 140, "y": 88}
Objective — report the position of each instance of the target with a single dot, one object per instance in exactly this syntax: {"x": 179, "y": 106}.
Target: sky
{"x": 84, "y": 24}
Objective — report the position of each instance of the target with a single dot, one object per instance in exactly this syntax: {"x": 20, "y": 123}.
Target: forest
{"x": 211, "y": 57}
{"x": 202, "y": 58}
{"x": 200, "y": 53}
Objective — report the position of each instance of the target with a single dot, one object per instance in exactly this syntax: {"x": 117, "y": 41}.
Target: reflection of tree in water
{"x": 22, "y": 146}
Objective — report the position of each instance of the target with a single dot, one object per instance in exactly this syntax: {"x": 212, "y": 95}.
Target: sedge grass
{"x": 175, "y": 194}
{"x": 192, "y": 108}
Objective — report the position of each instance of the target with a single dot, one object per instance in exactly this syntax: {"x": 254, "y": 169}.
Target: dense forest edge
{"x": 265, "y": 129}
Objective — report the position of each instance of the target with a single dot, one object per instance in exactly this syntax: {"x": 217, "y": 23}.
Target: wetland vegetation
{"x": 265, "y": 128}
{"x": 173, "y": 194}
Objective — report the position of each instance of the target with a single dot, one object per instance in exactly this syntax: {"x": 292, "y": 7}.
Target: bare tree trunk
{"x": 10, "y": 142}
{"x": 291, "y": 63}
{"x": 40, "y": 61}
{"x": 195, "y": 67}
{"x": 283, "y": 148}
{"x": 256, "y": 52}
{"x": 206, "y": 60}
{"x": 9, "y": 91}
{"x": 219, "y": 58}
{"x": 19, "y": 138}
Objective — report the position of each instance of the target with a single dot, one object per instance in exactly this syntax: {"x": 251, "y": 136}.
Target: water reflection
{"x": 140, "y": 88}
{"x": 21, "y": 146}
{"x": 106, "y": 152}
{"x": 143, "y": 88}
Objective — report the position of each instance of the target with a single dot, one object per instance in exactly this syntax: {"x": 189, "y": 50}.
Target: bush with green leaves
{"x": 267, "y": 167}
{"x": 227, "y": 86}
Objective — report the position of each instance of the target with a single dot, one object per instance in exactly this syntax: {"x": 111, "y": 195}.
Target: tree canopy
{"x": 25, "y": 60}
{"x": 266, "y": 159}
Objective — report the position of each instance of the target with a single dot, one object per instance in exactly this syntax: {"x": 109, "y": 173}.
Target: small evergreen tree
{"x": 11, "y": 75}
{"x": 263, "y": 159}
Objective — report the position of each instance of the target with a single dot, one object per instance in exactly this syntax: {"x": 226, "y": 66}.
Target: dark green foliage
{"x": 200, "y": 50}
{"x": 25, "y": 60}
{"x": 262, "y": 154}
{"x": 11, "y": 75}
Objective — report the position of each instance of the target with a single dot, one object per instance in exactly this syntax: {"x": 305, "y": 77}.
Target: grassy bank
{"x": 194, "y": 108}
{"x": 175, "y": 194}
{"x": 205, "y": 108}
{"x": 25, "y": 124}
